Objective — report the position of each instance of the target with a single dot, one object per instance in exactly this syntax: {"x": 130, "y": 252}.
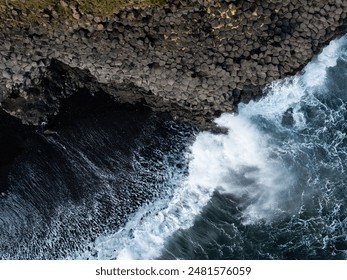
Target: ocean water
{"x": 127, "y": 183}
{"x": 277, "y": 182}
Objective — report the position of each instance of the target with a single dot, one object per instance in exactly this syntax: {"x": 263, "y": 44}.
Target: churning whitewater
{"x": 280, "y": 168}
{"x": 273, "y": 187}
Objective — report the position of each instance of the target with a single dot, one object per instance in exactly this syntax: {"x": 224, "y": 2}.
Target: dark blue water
{"x": 128, "y": 183}
{"x": 280, "y": 189}
{"x": 61, "y": 191}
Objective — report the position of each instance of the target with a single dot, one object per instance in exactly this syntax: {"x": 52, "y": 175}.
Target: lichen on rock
{"x": 19, "y": 13}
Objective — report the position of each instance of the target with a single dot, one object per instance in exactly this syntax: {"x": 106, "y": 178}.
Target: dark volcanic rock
{"x": 287, "y": 118}
{"x": 184, "y": 58}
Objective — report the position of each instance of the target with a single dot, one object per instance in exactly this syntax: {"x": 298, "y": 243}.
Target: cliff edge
{"x": 193, "y": 58}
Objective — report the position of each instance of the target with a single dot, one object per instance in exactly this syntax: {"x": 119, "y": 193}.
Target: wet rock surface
{"x": 194, "y": 58}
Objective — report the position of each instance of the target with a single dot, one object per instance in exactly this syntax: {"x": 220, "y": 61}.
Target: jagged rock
{"x": 203, "y": 51}
{"x": 6, "y": 75}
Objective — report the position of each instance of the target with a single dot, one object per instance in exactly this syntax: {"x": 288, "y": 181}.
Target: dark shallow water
{"x": 62, "y": 191}
{"x": 124, "y": 182}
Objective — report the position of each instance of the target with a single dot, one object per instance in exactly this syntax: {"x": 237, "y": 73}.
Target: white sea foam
{"x": 240, "y": 163}
{"x": 287, "y": 93}
{"x": 315, "y": 72}
{"x": 145, "y": 234}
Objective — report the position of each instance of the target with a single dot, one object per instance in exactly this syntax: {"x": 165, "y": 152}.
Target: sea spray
{"x": 300, "y": 127}
{"x": 269, "y": 169}
{"x": 272, "y": 187}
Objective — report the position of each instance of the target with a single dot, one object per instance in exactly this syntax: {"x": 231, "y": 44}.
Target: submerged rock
{"x": 287, "y": 118}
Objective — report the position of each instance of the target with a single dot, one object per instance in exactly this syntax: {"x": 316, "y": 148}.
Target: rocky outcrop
{"x": 193, "y": 58}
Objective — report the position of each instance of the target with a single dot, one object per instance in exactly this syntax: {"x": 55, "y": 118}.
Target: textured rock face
{"x": 194, "y": 58}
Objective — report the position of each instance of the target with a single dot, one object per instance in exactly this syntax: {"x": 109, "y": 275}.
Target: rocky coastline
{"x": 192, "y": 58}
